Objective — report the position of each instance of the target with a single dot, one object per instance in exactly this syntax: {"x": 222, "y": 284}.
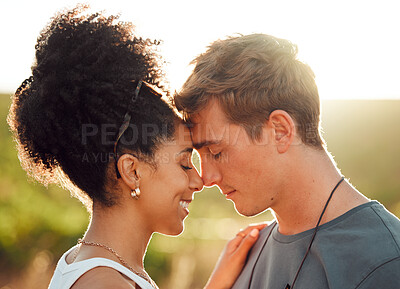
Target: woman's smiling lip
{"x": 185, "y": 204}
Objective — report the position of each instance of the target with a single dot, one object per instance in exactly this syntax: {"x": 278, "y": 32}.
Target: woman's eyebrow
{"x": 186, "y": 150}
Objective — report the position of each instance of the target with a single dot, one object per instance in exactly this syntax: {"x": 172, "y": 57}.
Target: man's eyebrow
{"x": 199, "y": 145}
{"x": 186, "y": 150}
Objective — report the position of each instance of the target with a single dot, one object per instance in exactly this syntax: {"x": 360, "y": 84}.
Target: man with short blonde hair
{"x": 253, "y": 109}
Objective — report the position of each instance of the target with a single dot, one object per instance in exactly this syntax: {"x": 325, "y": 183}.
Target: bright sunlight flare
{"x": 352, "y": 46}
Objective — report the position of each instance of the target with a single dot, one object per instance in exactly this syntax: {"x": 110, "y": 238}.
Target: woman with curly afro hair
{"x": 92, "y": 119}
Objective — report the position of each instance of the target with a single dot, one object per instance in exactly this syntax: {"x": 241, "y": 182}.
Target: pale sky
{"x": 352, "y": 46}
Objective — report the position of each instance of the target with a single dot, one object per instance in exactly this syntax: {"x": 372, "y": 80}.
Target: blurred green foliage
{"x": 38, "y": 224}
{"x": 33, "y": 219}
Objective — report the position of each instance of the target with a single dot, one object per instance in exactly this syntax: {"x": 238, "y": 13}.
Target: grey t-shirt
{"x": 360, "y": 249}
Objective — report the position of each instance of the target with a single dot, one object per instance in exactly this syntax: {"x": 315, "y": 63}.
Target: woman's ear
{"x": 128, "y": 169}
{"x": 283, "y": 129}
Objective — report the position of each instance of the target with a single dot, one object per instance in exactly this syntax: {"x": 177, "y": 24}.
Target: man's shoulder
{"x": 370, "y": 222}
{"x": 244, "y": 278}
{"x": 390, "y": 222}
{"x": 365, "y": 241}
{"x": 359, "y": 245}
{"x": 264, "y": 233}
{"x": 365, "y": 227}
{"x": 262, "y": 239}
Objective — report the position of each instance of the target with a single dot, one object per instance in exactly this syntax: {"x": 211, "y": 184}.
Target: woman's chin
{"x": 173, "y": 231}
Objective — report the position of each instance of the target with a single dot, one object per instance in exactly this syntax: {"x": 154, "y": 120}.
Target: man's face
{"x": 243, "y": 169}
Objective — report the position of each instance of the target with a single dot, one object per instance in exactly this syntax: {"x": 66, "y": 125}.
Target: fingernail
{"x": 254, "y": 233}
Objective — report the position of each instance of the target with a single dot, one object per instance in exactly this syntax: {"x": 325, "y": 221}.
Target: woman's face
{"x": 167, "y": 191}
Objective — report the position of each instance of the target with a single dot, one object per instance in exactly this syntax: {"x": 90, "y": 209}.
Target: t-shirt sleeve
{"x": 386, "y": 276}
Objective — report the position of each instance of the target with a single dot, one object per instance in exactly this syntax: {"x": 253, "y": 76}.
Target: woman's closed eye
{"x": 184, "y": 159}
{"x": 186, "y": 168}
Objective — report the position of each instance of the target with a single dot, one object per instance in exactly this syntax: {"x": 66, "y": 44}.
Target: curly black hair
{"x": 65, "y": 117}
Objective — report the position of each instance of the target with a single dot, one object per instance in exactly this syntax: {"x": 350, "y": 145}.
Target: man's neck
{"x": 303, "y": 200}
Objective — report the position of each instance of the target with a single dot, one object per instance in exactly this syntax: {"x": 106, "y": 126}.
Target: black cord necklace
{"x": 309, "y": 246}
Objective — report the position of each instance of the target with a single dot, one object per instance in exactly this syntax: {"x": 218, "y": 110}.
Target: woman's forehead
{"x": 183, "y": 136}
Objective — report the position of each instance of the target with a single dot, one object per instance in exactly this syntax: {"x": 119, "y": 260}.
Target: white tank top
{"x": 66, "y": 275}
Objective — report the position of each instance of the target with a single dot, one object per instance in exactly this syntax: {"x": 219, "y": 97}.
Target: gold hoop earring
{"x": 135, "y": 193}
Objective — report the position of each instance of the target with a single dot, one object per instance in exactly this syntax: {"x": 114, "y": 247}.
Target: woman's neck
{"x": 118, "y": 229}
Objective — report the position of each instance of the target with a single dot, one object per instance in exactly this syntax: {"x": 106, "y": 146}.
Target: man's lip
{"x": 228, "y": 193}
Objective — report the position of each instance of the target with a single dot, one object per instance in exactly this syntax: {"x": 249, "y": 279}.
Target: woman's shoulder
{"x": 103, "y": 278}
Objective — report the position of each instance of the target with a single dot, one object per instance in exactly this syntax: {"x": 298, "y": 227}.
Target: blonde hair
{"x": 251, "y": 76}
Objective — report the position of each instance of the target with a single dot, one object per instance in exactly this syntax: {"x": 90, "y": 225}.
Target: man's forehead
{"x": 206, "y": 133}
{"x": 202, "y": 134}
{"x": 211, "y": 113}
{"x": 208, "y": 125}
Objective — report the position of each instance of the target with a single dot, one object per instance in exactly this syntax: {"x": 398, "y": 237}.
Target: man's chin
{"x": 247, "y": 212}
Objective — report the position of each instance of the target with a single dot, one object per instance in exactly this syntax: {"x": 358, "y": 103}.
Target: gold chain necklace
{"x": 123, "y": 262}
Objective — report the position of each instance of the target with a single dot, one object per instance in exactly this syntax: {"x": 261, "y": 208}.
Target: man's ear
{"x": 128, "y": 169}
{"x": 283, "y": 129}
